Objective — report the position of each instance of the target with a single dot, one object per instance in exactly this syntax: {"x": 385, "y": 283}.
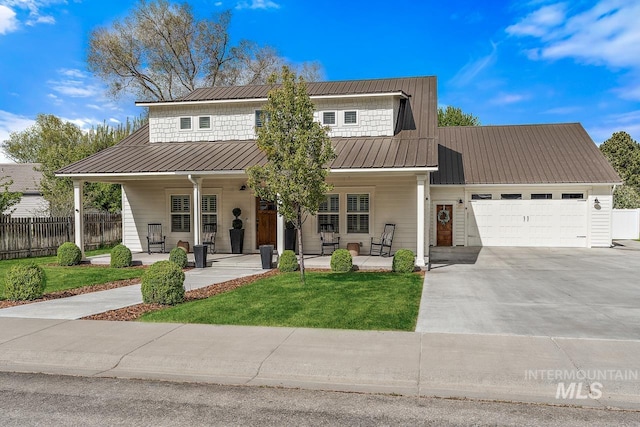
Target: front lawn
{"x": 62, "y": 278}
{"x": 358, "y": 300}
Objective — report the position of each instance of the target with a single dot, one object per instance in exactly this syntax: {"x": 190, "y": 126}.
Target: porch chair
{"x": 209, "y": 232}
{"x": 328, "y": 237}
{"x": 155, "y": 237}
{"x": 386, "y": 239}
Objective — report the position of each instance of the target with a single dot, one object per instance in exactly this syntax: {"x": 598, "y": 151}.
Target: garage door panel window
{"x": 481, "y": 197}
{"x": 511, "y": 196}
{"x": 572, "y": 196}
{"x": 358, "y": 213}
{"x": 541, "y": 196}
{"x": 180, "y": 214}
{"x": 329, "y": 212}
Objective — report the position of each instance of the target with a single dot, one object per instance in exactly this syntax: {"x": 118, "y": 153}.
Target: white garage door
{"x": 553, "y": 223}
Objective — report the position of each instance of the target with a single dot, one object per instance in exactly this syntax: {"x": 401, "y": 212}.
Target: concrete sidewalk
{"x": 80, "y": 306}
{"x": 514, "y": 368}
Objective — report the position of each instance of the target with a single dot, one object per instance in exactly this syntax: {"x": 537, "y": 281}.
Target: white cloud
{"x": 508, "y": 98}
{"x": 10, "y": 122}
{"x": 258, "y": 4}
{"x": 605, "y": 34}
{"x": 75, "y": 83}
{"x": 114, "y": 120}
{"x": 628, "y": 122}
{"x": 469, "y": 72}
{"x": 8, "y": 21}
{"x": 562, "y": 110}
{"x": 41, "y": 20}
{"x": 28, "y": 11}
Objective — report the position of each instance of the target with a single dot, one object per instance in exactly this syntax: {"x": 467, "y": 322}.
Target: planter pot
{"x": 290, "y": 238}
{"x": 237, "y": 240}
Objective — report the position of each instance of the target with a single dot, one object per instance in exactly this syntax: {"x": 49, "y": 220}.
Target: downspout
{"x": 197, "y": 208}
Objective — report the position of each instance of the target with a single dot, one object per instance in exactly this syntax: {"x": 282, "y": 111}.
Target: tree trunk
{"x": 300, "y": 251}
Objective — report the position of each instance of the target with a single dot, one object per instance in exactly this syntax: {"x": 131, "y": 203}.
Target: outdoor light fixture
{"x": 243, "y": 187}
{"x": 460, "y": 201}
{"x": 596, "y": 203}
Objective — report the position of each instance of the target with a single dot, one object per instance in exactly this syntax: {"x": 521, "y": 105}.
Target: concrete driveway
{"x": 583, "y": 293}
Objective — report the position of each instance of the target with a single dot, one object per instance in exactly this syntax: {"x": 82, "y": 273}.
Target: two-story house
{"x": 532, "y": 185}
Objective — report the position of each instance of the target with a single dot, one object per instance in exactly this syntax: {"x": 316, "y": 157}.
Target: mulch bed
{"x": 135, "y": 311}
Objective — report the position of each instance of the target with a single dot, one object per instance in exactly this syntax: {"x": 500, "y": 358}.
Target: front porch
{"x": 362, "y": 262}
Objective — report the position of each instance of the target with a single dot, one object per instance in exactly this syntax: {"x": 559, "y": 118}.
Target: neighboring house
{"x": 26, "y": 180}
{"x": 539, "y": 185}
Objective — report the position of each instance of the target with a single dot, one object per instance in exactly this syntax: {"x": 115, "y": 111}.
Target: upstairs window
{"x": 481, "y": 197}
{"x": 357, "y": 213}
{"x": 329, "y": 118}
{"x": 204, "y": 122}
{"x": 541, "y": 196}
{"x": 572, "y": 195}
{"x": 350, "y": 117}
{"x": 185, "y": 123}
{"x": 511, "y": 196}
{"x": 262, "y": 117}
{"x": 181, "y": 214}
{"x": 329, "y": 212}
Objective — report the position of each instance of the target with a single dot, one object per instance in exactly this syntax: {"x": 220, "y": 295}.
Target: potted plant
{"x": 236, "y": 233}
{"x": 290, "y": 237}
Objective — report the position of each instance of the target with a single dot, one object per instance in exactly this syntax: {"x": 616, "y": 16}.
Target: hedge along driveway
{"x": 357, "y": 300}
{"x": 62, "y": 278}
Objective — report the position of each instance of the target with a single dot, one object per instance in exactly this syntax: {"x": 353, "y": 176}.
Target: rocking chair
{"x": 155, "y": 237}
{"x": 209, "y": 232}
{"x": 386, "y": 239}
{"x": 328, "y": 237}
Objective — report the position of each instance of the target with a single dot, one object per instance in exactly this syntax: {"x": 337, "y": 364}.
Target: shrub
{"x": 288, "y": 261}
{"x": 25, "y": 282}
{"x": 179, "y": 256}
{"x": 163, "y": 283}
{"x": 69, "y": 254}
{"x": 341, "y": 261}
{"x": 120, "y": 256}
{"x": 403, "y": 261}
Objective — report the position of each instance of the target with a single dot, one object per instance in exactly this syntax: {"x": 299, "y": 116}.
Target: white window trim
{"x": 342, "y": 197}
{"x": 170, "y": 213}
{"x": 358, "y": 213}
{"x": 180, "y": 123}
{"x": 333, "y": 193}
{"x": 329, "y": 124}
{"x": 210, "y": 123}
{"x": 344, "y": 112}
{"x": 205, "y": 193}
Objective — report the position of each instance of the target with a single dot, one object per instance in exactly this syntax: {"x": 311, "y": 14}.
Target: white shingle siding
{"x": 237, "y": 121}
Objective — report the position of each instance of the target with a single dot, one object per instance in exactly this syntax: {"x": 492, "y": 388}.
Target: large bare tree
{"x": 161, "y": 51}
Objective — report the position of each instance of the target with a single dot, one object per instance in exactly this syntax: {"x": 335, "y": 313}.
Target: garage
{"x": 550, "y": 223}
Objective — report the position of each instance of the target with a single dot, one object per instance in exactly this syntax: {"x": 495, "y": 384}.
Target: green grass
{"x": 358, "y": 300}
{"x": 62, "y": 278}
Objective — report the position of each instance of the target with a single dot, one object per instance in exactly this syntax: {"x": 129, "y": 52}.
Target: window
{"x": 572, "y": 195}
{"x": 185, "y": 123}
{"x": 328, "y": 117}
{"x": 511, "y": 196}
{"x": 539, "y": 196}
{"x": 209, "y": 209}
{"x": 261, "y": 118}
{"x": 181, "y": 214}
{"x": 357, "y": 213}
{"x": 329, "y": 212}
{"x": 481, "y": 197}
{"x": 350, "y": 117}
{"x": 204, "y": 122}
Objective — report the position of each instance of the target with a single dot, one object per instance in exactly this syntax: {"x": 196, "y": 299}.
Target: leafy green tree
{"x": 453, "y": 116}
{"x": 626, "y": 197}
{"x": 55, "y": 143}
{"x": 8, "y": 199}
{"x": 623, "y": 152}
{"x": 298, "y": 152}
{"x": 161, "y": 51}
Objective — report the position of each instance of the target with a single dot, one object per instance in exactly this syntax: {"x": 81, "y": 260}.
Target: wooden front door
{"x": 265, "y": 222}
{"x": 444, "y": 225}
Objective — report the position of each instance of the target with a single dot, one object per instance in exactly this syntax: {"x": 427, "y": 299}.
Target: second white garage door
{"x": 552, "y": 223}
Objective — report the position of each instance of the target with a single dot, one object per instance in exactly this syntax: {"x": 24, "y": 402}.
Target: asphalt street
{"x": 51, "y": 400}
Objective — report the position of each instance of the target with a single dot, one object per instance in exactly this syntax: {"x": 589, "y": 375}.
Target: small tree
{"x": 8, "y": 199}
{"x": 453, "y": 116}
{"x": 298, "y": 152}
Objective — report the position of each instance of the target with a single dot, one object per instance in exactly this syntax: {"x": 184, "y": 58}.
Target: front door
{"x": 266, "y": 222}
{"x": 444, "y": 225}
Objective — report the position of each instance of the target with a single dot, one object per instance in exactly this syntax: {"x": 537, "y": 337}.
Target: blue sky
{"x": 506, "y": 62}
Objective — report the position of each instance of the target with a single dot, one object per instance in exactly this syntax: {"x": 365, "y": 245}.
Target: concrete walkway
{"x": 513, "y": 368}
{"x": 84, "y": 305}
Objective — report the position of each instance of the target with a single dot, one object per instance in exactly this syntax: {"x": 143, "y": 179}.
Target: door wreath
{"x": 443, "y": 216}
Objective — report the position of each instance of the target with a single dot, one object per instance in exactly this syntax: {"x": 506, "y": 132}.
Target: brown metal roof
{"x": 524, "y": 154}
{"x": 133, "y": 155}
{"x": 25, "y": 177}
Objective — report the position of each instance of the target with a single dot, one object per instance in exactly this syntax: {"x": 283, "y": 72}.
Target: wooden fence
{"x": 29, "y": 237}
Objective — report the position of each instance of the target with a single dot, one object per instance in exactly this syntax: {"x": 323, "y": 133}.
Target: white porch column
{"x": 280, "y": 233}
{"x": 78, "y": 214}
{"x": 420, "y": 229}
{"x": 197, "y": 209}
